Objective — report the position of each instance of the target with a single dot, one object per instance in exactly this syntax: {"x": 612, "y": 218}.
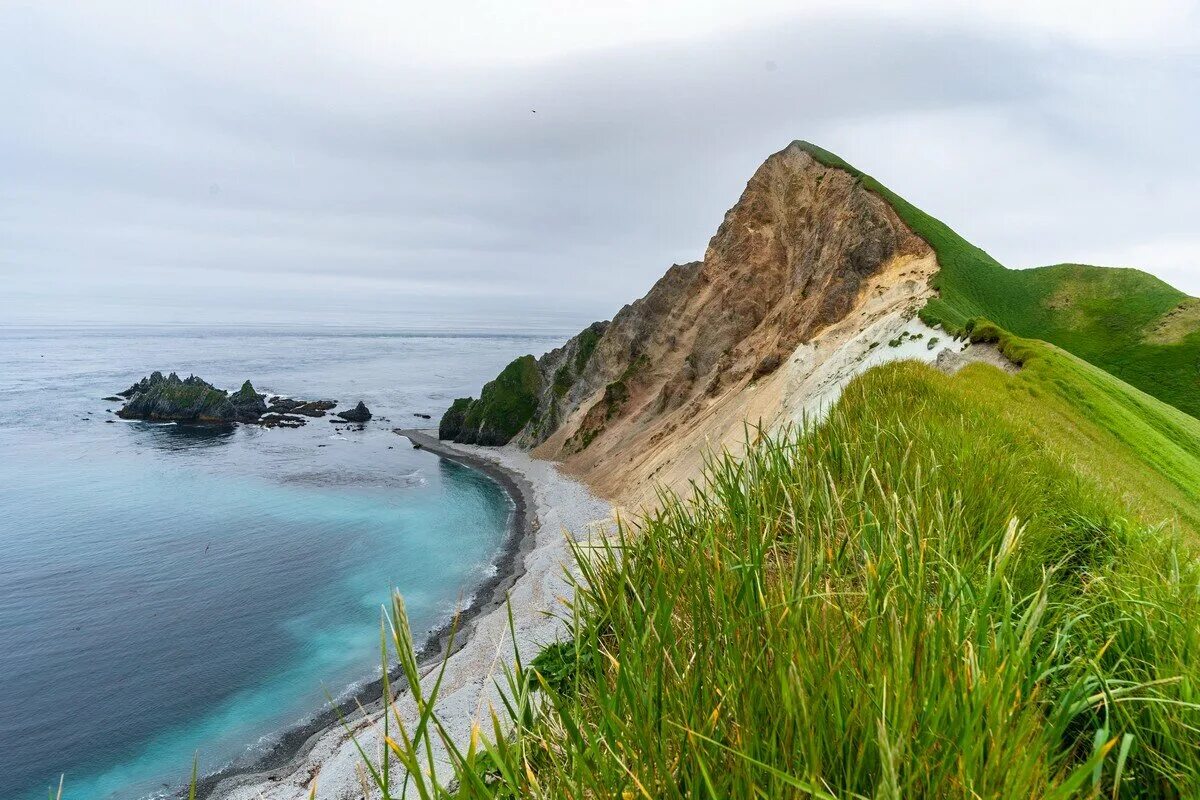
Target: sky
{"x": 502, "y": 165}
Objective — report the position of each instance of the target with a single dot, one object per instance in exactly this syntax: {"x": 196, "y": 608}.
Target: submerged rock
{"x": 281, "y": 405}
{"x": 270, "y": 420}
{"x": 315, "y": 408}
{"x": 360, "y": 413}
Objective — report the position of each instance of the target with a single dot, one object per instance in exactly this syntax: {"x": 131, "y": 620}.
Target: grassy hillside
{"x": 1122, "y": 320}
{"x": 975, "y": 586}
{"x": 979, "y": 586}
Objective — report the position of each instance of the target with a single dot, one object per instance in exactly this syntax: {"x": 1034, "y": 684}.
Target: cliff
{"x": 639, "y": 399}
{"x": 872, "y": 532}
{"x": 1124, "y": 321}
{"x": 818, "y": 273}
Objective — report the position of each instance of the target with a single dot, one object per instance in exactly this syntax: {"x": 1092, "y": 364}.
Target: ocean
{"x": 169, "y": 591}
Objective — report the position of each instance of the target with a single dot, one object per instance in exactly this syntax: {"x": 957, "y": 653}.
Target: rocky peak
{"x": 796, "y": 253}
{"x": 246, "y": 391}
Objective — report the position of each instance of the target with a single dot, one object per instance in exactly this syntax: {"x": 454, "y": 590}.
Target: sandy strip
{"x": 531, "y": 573}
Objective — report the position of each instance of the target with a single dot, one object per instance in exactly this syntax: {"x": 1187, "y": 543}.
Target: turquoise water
{"x": 168, "y": 591}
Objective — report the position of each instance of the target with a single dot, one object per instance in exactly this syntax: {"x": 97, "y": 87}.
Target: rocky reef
{"x": 193, "y": 399}
{"x": 190, "y": 399}
{"x": 273, "y": 420}
{"x": 307, "y": 408}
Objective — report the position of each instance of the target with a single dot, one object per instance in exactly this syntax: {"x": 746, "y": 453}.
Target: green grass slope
{"x": 1122, "y": 320}
{"x": 1141, "y": 451}
{"x": 978, "y": 586}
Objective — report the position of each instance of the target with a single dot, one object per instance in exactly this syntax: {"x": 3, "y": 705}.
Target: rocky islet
{"x": 195, "y": 400}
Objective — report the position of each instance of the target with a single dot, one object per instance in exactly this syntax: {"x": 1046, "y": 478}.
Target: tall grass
{"x": 916, "y": 598}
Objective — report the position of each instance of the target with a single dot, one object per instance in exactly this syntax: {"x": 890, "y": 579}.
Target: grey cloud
{"x": 131, "y": 180}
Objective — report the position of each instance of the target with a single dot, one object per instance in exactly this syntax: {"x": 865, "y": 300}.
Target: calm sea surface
{"x": 168, "y": 590}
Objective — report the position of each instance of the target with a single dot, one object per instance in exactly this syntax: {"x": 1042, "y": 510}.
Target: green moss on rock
{"x": 563, "y": 381}
{"x": 504, "y": 407}
{"x": 588, "y": 339}
{"x": 452, "y": 421}
{"x": 570, "y": 370}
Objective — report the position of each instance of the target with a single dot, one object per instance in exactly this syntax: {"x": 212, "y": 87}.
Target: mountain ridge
{"x": 811, "y": 273}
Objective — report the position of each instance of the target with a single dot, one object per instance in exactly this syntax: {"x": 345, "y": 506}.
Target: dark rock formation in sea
{"x": 190, "y": 399}
{"x": 360, "y": 413}
{"x": 247, "y": 404}
{"x": 308, "y": 408}
{"x": 142, "y": 385}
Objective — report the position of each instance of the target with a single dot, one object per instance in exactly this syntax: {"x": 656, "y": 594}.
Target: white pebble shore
{"x": 564, "y": 508}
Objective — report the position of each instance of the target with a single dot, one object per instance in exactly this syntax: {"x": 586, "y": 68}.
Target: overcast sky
{"x": 381, "y": 163}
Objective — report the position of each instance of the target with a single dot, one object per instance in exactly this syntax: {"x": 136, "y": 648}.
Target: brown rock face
{"x": 790, "y": 258}
{"x": 795, "y": 255}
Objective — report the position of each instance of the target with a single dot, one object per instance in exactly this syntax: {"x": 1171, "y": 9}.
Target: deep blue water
{"x": 166, "y": 590}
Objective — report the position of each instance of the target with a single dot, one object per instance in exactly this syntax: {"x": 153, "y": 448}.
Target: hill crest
{"x": 817, "y": 273}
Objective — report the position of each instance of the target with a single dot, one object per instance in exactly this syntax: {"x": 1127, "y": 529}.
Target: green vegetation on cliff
{"x": 588, "y": 339}
{"x": 452, "y": 421}
{"x": 616, "y": 393}
{"x": 571, "y": 369}
{"x": 1124, "y": 321}
{"x": 503, "y": 407}
{"x": 978, "y": 586}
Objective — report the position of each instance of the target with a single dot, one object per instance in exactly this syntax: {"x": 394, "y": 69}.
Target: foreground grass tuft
{"x": 920, "y": 597}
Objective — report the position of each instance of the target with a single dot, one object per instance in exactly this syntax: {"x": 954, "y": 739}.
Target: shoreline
{"x": 295, "y": 743}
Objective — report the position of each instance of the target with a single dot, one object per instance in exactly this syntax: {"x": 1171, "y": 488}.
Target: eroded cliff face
{"x": 806, "y": 253}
